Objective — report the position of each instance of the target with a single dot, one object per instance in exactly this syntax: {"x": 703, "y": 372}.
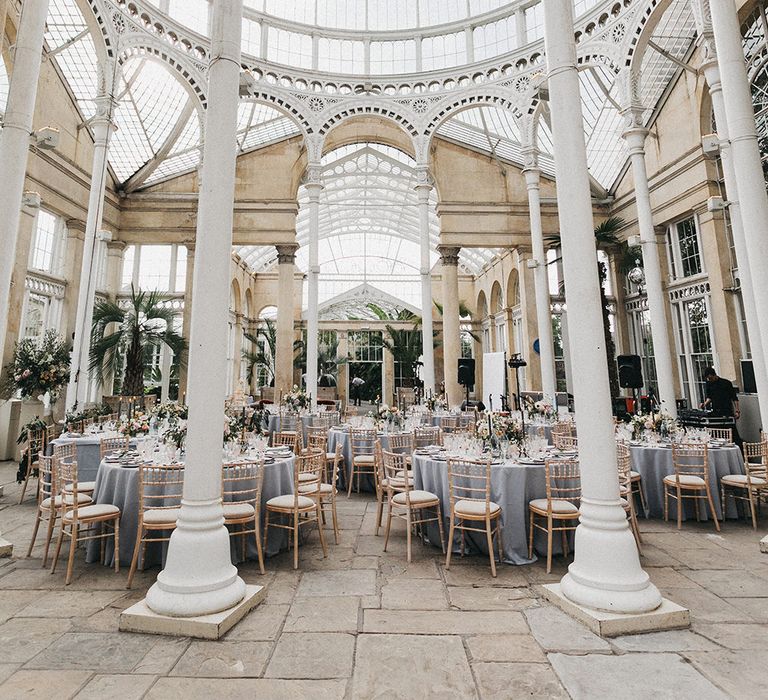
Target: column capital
{"x": 424, "y": 183}
{"x": 313, "y": 180}
{"x": 116, "y": 247}
{"x": 31, "y": 200}
{"x": 449, "y": 255}
{"x": 75, "y": 228}
{"x": 531, "y": 158}
{"x": 634, "y": 132}
{"x": 286, "y": 253}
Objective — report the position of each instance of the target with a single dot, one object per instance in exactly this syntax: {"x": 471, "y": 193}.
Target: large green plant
{"x": 328, "y": 361}
{"x": 265, "y": 354}
{"x": 133, "y": 333}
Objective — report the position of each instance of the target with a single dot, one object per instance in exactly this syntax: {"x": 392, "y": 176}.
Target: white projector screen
{"x": 494, "y": 378}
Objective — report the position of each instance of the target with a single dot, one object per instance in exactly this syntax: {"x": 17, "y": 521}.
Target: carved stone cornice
{"x": 75, "y": 228}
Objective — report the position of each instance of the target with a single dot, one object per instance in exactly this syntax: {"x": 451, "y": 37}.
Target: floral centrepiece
{"x": 390, "y": 416}
{"x": 296, "y": 400}
{"x": 539, "y": 409}
{"x": 135, "y": 426}
{"x": 72, "y": 419}
{"x": 39, "y": 368}
{"x": 660, "y": 423}
{"x": 436, "y": 403}
{"x": 500, "y": 428}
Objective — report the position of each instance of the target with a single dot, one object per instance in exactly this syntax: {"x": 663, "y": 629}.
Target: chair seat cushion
{"x": 634, "y": 475}
{"x": 330, "y": 456}
{"x": 395, "y": 483}
{"x": 161, "y": 516}
{"x": 741, "y": 480}
{"x": 92, "y": 512}
{"x": 417, "y": 497}
{"x": 558, "y": 506}
{"x": 237, "y": 511}
{"x": 475, "y": 508}
{"x": 325, "y": 489}
{"x": 402, "y": 472}
{"x": 305, "y": 477}
{"x": 82, "y": 499}
{"x": 82, "y": 487}
{"x": 685, "y": 480}
{"x": 287, "y": 502}
{"x": 364, "y": 459}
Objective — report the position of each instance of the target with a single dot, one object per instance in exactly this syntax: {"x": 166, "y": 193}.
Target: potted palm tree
{"x": 132, "y": 334}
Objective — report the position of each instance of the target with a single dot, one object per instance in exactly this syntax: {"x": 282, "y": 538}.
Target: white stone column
{"x": 199, "y": 577}
{"x": 712, "y": 76}
{"x": 606, "y": 572}
{"x": 286, "y": 260}
{"x": 449, "y": 261}
{"x": 186, "y": 318}
{"x": 423, "y": 189}
{"x": 313, "y": 185}
{"x": 541, "y": 281}
{"x": 14, "y": 142}
{"x": 635, "y": 135}
{"x": 103, "y": 126}
{"x": 738, "y": 118}
{"x": 166, "y": 354}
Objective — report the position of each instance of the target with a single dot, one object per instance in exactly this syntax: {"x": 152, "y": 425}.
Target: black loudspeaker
{"x": 630, "y": 372}
{"x": 467, "y": 372}
{"x": 748, "y": 377}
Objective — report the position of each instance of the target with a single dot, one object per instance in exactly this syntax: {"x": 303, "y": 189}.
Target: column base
{"x": 764, "y": 545}
{"x": 140, "y": 618}
{"x": 667, "y": 616}
{"x": 6, "y": 548}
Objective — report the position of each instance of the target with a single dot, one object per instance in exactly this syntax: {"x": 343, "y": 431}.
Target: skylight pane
{"x": 78, "y": 62}
{"x": 296, "y": 10}
{"x": 389, "y": 57}
{"x": 251, "y": 37}
{"x": 64, "y": 22}
{"x": 443, "y": 51}
{"x": 441, "y": 11}
{"x": 289, "y": 48}
{"x": 192, "y": 13}
{"x": 340, "y": 56}
{"x": 495, "y": 38}
{"x": 342, "y": 14}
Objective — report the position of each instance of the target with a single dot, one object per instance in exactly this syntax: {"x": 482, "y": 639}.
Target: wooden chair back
{"x": 66, "y": 473}
{"x": 290, "y": 422}
{"x": 52, "y": 432}
{"x": 48, "y": 479}
{"x": 756, "y": 459}
{"x": 721, "y": 434}
{"x": 401, "y": 443}
{"x": 450, "y": 424}
{"x": 35, "y": 445}
{"x": 563, "y": 481}
{"x": 427, "y": 435}
{"x": 470, "y": 480}
{"x": 691, "y": 459}
{"x": 241, "y": 482}
{"x": 566, "y": 443}
{"x": 395, "y": 470}
{"x": 160, "y": 486}
{"x": 113, "y": 444}
{"x": 307, "y": 470}
{"x": 65, "y": 450}
{"x": 286, "y": 439}
{"x": 362, "y": 442}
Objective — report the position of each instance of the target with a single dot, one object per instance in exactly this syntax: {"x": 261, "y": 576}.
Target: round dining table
{"x": 88, "y": 451}
{"x": 119, "y": 485}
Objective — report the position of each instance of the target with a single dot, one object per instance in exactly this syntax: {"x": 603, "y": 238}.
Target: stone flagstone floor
{"x": 363, "y": 624}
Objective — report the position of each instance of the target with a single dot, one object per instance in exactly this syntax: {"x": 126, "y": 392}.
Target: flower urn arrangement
{"x": 296, "y": 400}
{"x": 659, "y": 423}
{"x": 39, "y": 367}
{"x": 388, "y": 416}
{"x": 137, "y": 425}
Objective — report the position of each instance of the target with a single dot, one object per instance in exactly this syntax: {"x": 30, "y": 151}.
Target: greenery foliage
{"x": 38, "y": 367}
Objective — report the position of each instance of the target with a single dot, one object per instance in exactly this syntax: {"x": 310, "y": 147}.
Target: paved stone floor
{"x": 363, "y": 624}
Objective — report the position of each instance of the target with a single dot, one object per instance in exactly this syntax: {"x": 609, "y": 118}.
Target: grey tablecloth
{"x": 120, "y": 487}
{"x": 339, "y": 436}
{"x": 654, "y": 463}
{"x": 512, "y": 487}
{"x": 88, "y": 454}
{"x": 274, "y": 425}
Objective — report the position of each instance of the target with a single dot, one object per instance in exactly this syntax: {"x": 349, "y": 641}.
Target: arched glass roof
{"x": 158, "y": 122}
{"x": 369, "y": 226}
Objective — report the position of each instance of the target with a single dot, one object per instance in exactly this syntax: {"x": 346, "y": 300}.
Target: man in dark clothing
{"x": 722, "y": 399}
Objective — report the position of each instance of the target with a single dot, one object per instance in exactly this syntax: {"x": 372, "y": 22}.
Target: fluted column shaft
{"x": 449, "y": 259}
{"x": 14, "y": 142}
{"x": 103, "y": 126}
{"x": 739, "y": 119}
{"x": 662, "y": 348}
{"x": 286, "y": 259}
{"x": 186, "y": 318}
{"x": 423, "y": 190}
{"x": 313, "y": 188}
{"x": 712, "y": 76}
{"x": 541, "y": 285}
{"x": 606, "y": 572}
{"x": 199, "y": 577}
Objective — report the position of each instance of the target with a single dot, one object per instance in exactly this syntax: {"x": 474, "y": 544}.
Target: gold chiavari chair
{"x": 52, "y": 432}
{"x": 326, "y": 491}
{"x": 561, "y": 505}
{"x": 160, "y": 491}
{"x": 426, "y": 436}
{"x": 34, "y": 446}
{"x": 109, "y": 445}
{"x": 753, "y": 484}
{"x": 302, "y": 510}
{"x": 450, "y": 424}
{"x": 624, "y": 462}
{"x": 383, "y": 483}
{"x": 565, "y": 443}
{"x": 690, "y": 480}
{"x": 82, "y": 523}
{"x": 292, "y": 423}
{"x": 469, "y": 484}
{"x": 405, "y": 502}
{"x": 290, "y": 439}
{"x": 241, "y": 484}
{"x": 402, "y": 443}
{"x": 363, "y": 457}
{"x": 721, "y": 434}
{"x": 68, "y": 451}
{"x": 49, "y": 501}
{"x": 468, "y": 421}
